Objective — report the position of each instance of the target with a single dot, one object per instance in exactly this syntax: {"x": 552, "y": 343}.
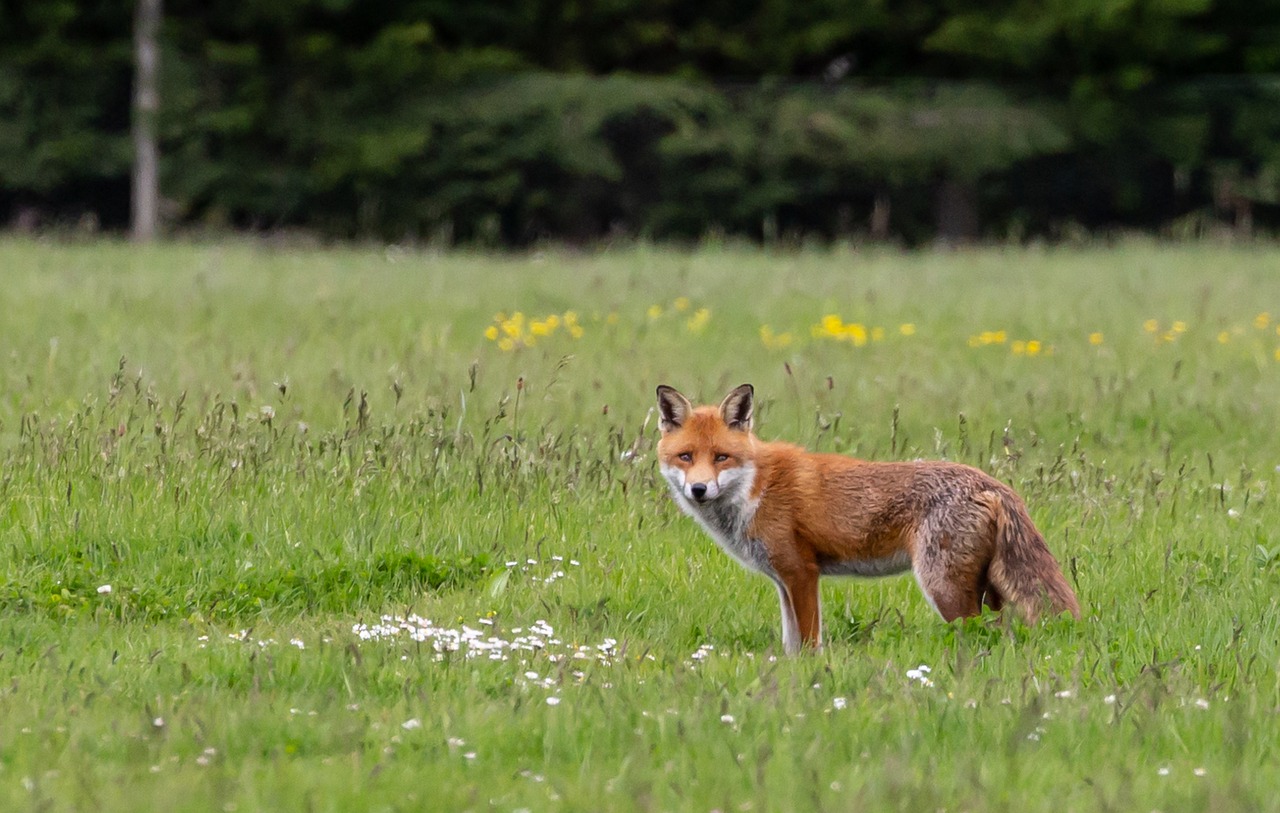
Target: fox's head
{"x": 706, "y": 453}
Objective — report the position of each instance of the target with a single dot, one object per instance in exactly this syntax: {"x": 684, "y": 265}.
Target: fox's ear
{"x": 738, "y": 407}
{"x": 673, "y": 408}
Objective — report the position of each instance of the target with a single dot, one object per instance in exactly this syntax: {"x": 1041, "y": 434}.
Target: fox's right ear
{"x": 738, "y": 408}
{"x": 673, "y": 408}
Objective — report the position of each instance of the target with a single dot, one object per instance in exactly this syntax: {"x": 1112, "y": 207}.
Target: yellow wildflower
{"x": 539, "y": 328}
{"x": 1179, "y": 327}
{"x": 1033, "y": 347}
{"x": 681, "y": 304}
{"x": 491, "y": 333}
{"x": 1262, "y": 320}
{"x": 773, "y": 340}
{"x": 698, "y": 321}
{"x": 877, "y": 334}
{"x": 507, "y": 345}
{"x": 1151, "y": 326}
{"x": 1224, "y": 337}
{"x": 1019, "y": 347}
{"x": 907, "y": 329}
{"x": 1095, "y": 338}
{"x": 575, "y": 331}
{"x": 655, "y": 311}
{"x": 856, "y": 333}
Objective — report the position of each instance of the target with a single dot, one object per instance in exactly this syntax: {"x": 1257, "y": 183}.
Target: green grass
{"x": 265, "y": 452}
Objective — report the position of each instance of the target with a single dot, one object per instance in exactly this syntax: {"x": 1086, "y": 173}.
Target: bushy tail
{"x": 1023, "y": 570}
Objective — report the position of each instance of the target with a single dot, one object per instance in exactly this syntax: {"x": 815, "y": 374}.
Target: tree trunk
{"x": 956, "y": 210}
{"x": 145, "y": 201}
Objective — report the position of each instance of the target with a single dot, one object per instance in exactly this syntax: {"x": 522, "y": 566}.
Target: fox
{"x": 795, "y": 515}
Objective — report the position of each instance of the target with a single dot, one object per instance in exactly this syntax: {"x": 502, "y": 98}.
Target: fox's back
{"x": 824, "y": 496}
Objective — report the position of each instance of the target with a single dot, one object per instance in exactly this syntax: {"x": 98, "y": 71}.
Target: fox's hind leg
{"x": 950, "y": 561}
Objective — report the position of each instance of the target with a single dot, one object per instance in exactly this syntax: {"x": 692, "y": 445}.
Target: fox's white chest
{"x": 727, "y": 518}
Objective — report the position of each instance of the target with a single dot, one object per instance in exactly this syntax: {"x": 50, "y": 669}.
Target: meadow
{"x": 381, "y": 530}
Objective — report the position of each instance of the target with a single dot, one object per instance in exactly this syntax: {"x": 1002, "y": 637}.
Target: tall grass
{"x": 287, "y": 530}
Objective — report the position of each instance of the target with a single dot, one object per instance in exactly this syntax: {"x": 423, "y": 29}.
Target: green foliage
{"x": 426, "y": 121}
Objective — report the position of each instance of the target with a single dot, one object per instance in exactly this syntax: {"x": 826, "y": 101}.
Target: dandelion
{"x": 681, "y": 304}
{"x": 831, "y": 325}
{"x": 1033, "y": 347}
{"x": 491, "y": 333}
{"x": 1277, "y": 354}
{"x": 907, "y": 329}
{"x": 655, "y": 311}
{"x": 1179, "y": 327}
{"x": 1151, "y": 326}
{"x": 1262, "y": 320}
{"x": 699, "y": 320}
{"x": 773, "y": 340}
{"x": 1224, "y": 337}
{"x": 1019, "y": 348}
{"x": 877, "y": 334}
{"x": 988, "y": 337}
{"x": 1095, "y": 338}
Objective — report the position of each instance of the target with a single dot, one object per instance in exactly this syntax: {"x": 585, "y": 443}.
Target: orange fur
{"x": 795, "y": 515}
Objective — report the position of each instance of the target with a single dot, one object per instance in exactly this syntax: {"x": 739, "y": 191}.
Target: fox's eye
{"x": 720, "y": 458}
{"x": 686, "y": 456}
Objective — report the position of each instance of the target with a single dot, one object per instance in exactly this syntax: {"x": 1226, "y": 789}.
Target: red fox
{"x": 795, "y": 515}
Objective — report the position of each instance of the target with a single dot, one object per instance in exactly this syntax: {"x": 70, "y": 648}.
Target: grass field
{"x": 375, "y": 530}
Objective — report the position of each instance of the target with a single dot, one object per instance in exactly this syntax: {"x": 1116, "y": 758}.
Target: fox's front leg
{"x": 801, "y": 610}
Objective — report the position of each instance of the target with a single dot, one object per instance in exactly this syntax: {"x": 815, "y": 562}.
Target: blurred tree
{"x": 145, "y": 205}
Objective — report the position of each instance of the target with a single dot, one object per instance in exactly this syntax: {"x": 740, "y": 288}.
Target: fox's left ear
{"x": 738, "y": 407}
{"x": 673, "y": 408}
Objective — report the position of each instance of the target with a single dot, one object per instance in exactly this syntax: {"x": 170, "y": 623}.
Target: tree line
{"x": 507, "y": 123}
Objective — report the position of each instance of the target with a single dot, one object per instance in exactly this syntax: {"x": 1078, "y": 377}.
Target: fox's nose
{"x": 699, "y": 490}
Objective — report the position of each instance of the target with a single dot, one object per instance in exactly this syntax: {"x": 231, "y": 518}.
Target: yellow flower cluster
{"x": 834, "y": 328}
{"x": 695, "y": 323}
{"x": 772, "y": 340}
{"x": 1170, "y": 334}
{"x": 517, "y": 330}
{"x": 987, "y": 337}
{"x": 1019, "y": 347}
